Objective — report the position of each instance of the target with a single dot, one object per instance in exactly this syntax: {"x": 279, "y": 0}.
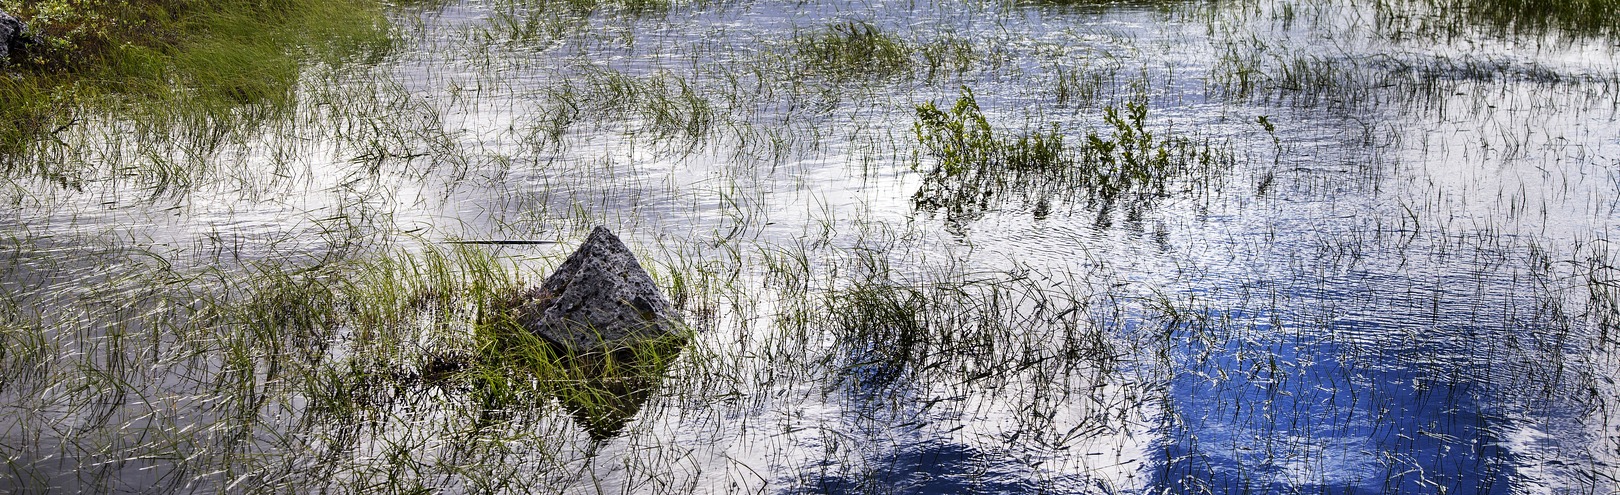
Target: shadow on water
{"x": 886, "y": 443}
{"x": 928, "y": 467}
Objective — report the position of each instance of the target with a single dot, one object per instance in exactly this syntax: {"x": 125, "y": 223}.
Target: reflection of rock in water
{"x": 610, "y": 390}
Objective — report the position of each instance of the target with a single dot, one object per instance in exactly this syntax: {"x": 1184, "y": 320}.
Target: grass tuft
{"x": 852, "y": 49}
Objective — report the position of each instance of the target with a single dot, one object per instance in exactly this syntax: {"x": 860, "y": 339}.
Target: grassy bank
{"x": 164, "y": 58}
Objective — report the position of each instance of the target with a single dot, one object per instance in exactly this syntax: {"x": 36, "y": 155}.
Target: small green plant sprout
{"x": 1270, "y": 175}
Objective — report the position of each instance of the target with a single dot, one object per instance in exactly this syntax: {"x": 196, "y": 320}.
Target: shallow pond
{"x": 1283, "y": 247}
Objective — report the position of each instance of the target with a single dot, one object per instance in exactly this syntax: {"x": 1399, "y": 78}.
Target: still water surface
{"x": 1399, "y": 289}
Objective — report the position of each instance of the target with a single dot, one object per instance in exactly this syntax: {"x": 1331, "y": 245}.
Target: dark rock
{"x": 11, "y": 36}
{"x": 600, "y": 299}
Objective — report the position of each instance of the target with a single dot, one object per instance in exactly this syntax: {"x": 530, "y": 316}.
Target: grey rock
{"x": 600, "y": 299}
{"x": 11, "y": 36}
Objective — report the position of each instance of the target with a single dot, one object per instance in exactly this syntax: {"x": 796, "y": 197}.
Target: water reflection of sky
{"x": 1369, "y": 326}
{"x": 1373, "y": 323}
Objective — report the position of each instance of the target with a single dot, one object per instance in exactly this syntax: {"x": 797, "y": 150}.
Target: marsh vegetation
{"x": 921, "y": 247}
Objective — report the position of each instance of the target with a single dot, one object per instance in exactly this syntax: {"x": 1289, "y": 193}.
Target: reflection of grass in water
{"x": 852, "y": 49}
{"x": 900, "y": 353}
{"x": 351, "y": 350}
{"x": 403, "y": 369}
{"x": 601, "y": 391}
{"x": 545, "y": 22}
{"x": 1602, "y": 280}
{"x": 186, "y": 63}
{"x": 1080, "y": 86}
{"x": 976, "y": 167}
{"x": 24, "y": 348}
{"x": 1278, "y": 73}
{"x": 521, "y": 8}
{"x": 1278, "y": 70}
{"x": 975, "y": 330}
{"x": 1526, "y": 17}
{"x": 1099, "y": 5}
{"x": 948, "y": 55}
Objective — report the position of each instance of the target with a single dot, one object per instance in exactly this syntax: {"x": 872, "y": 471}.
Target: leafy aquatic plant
{"x": 974, "y": 166}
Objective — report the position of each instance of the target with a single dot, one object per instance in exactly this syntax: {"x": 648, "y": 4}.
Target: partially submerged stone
{"x": 600, "y": 299}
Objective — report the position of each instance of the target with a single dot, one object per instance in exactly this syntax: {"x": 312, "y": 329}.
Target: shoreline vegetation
{"x": 163, "y": 60}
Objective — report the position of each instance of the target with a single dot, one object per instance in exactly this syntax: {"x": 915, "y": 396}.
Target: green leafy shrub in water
{"x": 852, "y": 49}
{"x": 1132, "y": 158}
{"x": 975, "y": 167}
{"x": 974, "y": 164}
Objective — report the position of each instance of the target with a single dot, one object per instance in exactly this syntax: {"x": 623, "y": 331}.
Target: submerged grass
{"x": 277, "y": 375}
{"x": 961, "y": 331}
{"x": 1263, "y": 63}
{"x": 1165, "y": 6}
{"x": 903, "y": 352}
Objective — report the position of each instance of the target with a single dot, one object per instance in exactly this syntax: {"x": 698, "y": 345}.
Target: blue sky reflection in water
{"x": 1415, "y": 384}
